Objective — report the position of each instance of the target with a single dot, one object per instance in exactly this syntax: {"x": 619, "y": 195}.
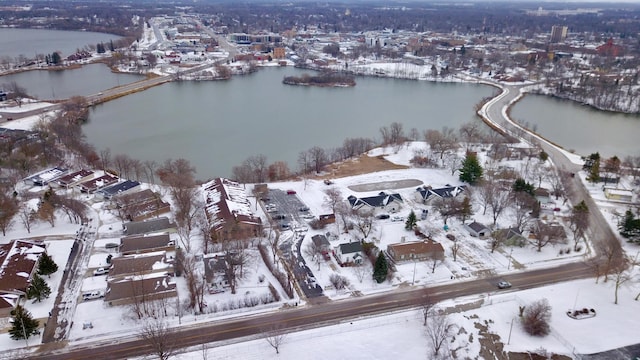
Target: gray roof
{"x": 147, "y": 226}
{"x": 379, "y": 200}
{"x": 349, "y": 248}
{"x": 477, "y": 227}
{"x": 119, "y": 188}
{"x": 320, "y": 241}
{"x": 140, "y": 243}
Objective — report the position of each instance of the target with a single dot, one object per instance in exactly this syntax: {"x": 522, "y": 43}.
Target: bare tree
{"x": 157, "y": 334}
{"x": 470, "y": 133}
{"x": 361, "y": 271}
{"x": 454, "y": 249}
{"x": 434, "y": 260}
{"x": 318, "y": 158}
{"x": 332, "y": 200}
{"x": 304, "y": 162}
{"x": 314, "y": 251}
{"x": 27, "y": 217}
{"x": 8, "y": 209}
{"x": 547, "y": 234}
{"x": 621, "y": 274}
{"x": 535, "y": 319}
{"x": 522, "y": 204}
{"x": 438, "y": 330}
{"x": 339, "y": 282}
{"x": 363, "y": 221}
{"x": 275, "y": 337}
{"x": 426, "y": 308}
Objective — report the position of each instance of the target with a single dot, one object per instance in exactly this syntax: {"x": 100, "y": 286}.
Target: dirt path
{"x": 364, "y": 164}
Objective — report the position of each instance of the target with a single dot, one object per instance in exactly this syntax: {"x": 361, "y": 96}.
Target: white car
{"x": 504, "y": 284}
{"x": 92, "y": 295}
{"x": 397, "y": 218}
{"x": 100, "y": 271}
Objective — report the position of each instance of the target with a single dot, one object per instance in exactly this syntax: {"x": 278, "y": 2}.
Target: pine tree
{"x": 47, "y": 266}
{"x": 38, "y": 289}
{"x": 471, "y": 170}
{"x": 630, "y": 226}
{"x": 520, "y": 185}
{"x": 594, "y": 172}
{"x": 23, "y": 324}
{"x": 411, "y": 221}
{"x": 55, "y": 58}
{"x": 381, "y": 268}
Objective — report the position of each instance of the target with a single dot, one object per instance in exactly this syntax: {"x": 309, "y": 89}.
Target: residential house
{"x": 510, "y": 236}
{"x": 228, "y": 210}
{"x": 622, "y": 195}
{"x": 478, "y": 230}
{"x": 542, "y": 195}
{"x": 349, "y": 253}
{"x": 383, "y": 201}
{"x": 43, "y": 178}
{"x": 98, "y": 183}
{"x": 415, "y": 250}
{"x": 216, "y": 271}
{"x": 140, "y": 264}
{"x": 138, "y": 244}
{"x": 427, "y": 193}
{"x": 147, "y": 226}
{"x": 70, "y": 180}
{"x": 321, "y": 243}
{"x": 141, "y": 205}
{"x": 124, "y": 187}
{"x": 327, "y": 219}
{"x": 18, "y": 262}
{"x": 139, "y": 288}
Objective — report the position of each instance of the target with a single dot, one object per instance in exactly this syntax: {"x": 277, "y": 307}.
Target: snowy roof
{"x": 380, "y": 200}
{"x": 147, "y": 226}
{"x": 98, "y": 183}
{"x": 44, "y": 177}
{"x": 445, "y": 192}
{"x": 17, "y": 259}
{"x": 226, "y": 202}
{"x": 74, "y": 177}
{"x": 151, "y": 286}
{"x": 350, "y": 248}
{"x": 137, "y": 243}
{"x": 138, "y": 264}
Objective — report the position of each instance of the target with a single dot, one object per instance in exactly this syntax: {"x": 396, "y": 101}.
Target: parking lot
{"x": 288, "y": 214}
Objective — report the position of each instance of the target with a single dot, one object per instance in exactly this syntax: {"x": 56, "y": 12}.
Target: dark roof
{"x": 138, "y": 286}
{"x": 147, "y": 226}
{"x": 138, "y": 264}
{"x": 444, "y": 192}
{"x": 119, "y": 188}
{"x": 416, "y": 248}
{"x": 349, "y": 248}
{"x": 214, "y": 264}
{"x": 18, "y": 260}
{"x": 74, "y": 177}
{"x": 379, "y": 200}
{"x": 98, "y": 183}
{"x": 141, "y": 242}
{"x": 226, "y": 203}
{"x": 477, "y": 227}
{"x": 320, "y": 240}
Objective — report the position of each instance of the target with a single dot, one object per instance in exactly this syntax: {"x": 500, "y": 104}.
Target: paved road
{"x": 600, "y": 233}
{"x": 317, "y": 315}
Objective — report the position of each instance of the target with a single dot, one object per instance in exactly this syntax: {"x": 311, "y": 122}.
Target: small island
{"x": 325, "y": 79}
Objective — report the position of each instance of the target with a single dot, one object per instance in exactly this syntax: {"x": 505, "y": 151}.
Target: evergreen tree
{"x": 100, "y": 48}
{"x": 471, "y": 170}
{"x": 630, "y": 226}
{"x": 411, "y": 221}
{"x": 55, "y": 58}
{"x": 543, "y": 156}
{"x": 381, "y": 268}
{"x": 47, "y": 266}
{"x": 23, "y": 324}
{"x": 520, "y": 185}
{"x": 594, "y": 172}
{"x": 111, "y": 47}
{"x": 38, "y": 289}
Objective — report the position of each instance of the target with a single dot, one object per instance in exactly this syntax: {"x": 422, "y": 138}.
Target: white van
{"x": 92, "y": 295}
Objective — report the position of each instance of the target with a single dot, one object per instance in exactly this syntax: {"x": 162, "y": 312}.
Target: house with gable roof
{"x": 427, "y": 193}
{"x": 228, "y": 210}
{"x": 477, "y": 229}
{"x": 415, "y": 251}
{"x": 18, "y": 262}
{"x": 383, "y": 201}
{"x": 350, "y": 253}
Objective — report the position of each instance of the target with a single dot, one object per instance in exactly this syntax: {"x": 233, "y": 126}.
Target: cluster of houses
{"x": 86, "y": 181}
{"x": 145, "y": 268}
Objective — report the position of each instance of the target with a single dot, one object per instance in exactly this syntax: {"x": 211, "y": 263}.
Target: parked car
{"x": 397, "y": 218}
{"x": 100, "y": 271}
{"x": 383, "y": 216}
{"x": 504, "y": 284}
{"x": 92, "y": 295}
{"x": 291, "y": 192}
{"x": 328, "y": 182}
{"x": 285, "y": 226}
{"x": 278, "y": 217}
{"x": 304, "y": 209}
{"x": 111, "y": 245}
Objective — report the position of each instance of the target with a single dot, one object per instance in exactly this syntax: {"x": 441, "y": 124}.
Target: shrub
{"x": 536, "y": 318}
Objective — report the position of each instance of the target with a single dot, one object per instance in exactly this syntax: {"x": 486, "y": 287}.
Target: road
{"x": 600, "y": 233}
{"x": 317, "y": 315}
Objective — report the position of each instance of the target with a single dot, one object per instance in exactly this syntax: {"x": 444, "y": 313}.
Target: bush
{"x": 536, "y": 318}
{"x": 339, "y": 282}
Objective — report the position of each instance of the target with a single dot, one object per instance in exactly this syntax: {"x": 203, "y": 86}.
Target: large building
{"x": 228, "y": 211}
{"x": 558, "y": 33}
